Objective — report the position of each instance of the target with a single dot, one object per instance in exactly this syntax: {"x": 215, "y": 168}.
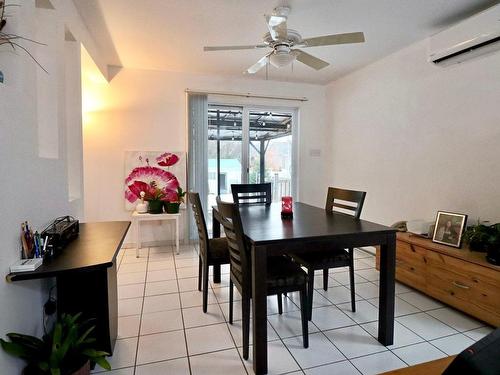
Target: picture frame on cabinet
{"x": 449, "y": 228}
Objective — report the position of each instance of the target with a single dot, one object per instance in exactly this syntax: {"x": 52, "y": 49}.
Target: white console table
{"x": 137, "y": 218}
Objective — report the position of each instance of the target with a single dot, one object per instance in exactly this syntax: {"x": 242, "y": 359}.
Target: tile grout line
{"x": 283, "y": 343}
{"x": 227, "y": 324}
{"x": 288, "y": 350}
{"x": 341, "y": 352}
{"x": 411, "y": 330}
{"x": 385, "y": 346}
{"x": 328, "y": 363}
{"x": 142, "y": 310}
{"x": 220, "y": 306}
{"x": 182, "y": 316}
{"x": 353, "y": 365}
{"x": 425, "y": 340}
{"x": 335, "y": 346}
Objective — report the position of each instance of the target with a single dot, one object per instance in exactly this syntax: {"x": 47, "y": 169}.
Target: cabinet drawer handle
{"x": 460, "y": 285}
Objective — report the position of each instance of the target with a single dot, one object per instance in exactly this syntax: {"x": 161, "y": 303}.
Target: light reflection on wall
{"x": 94, "y": 88}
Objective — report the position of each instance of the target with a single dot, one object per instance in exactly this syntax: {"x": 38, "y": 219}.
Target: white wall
{"x": 419, "y": 138}
{"x": 34, "y": 188}
{"x": 146, "y": 110}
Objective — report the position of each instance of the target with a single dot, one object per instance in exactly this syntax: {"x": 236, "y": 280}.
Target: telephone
{"x": 400, "y": 226}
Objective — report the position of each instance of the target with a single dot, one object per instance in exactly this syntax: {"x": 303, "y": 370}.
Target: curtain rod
{"x": 247, "y": 95}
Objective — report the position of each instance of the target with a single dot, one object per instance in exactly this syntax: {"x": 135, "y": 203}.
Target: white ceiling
{"x": 170, "y": 34}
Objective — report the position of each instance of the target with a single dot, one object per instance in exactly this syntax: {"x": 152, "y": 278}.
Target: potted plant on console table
{"x": 68, "y": 349}
{"x": 173, "y": 201}
{"x": 155, "y": 196}
{"x": 485, "y": 238}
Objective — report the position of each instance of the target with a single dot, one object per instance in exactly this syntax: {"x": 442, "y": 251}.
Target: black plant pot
{"x": 493, "y": 255}
{"x": 477, "y": 246}
{"x": 172, "y": 208}
{"x": 155, "y": 207}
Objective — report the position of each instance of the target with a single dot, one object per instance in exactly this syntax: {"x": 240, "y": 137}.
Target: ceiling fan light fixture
{"x": 281, "y": 57}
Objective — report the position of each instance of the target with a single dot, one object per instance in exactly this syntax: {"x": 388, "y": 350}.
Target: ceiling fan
{"x": 281, "y": 40}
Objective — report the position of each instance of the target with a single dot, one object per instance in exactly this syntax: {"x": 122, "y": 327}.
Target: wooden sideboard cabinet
{"x": 458, "y": 277}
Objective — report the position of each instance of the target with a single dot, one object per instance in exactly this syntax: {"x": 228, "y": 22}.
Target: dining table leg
{"x": 387, "y": 291}
{"x": 216, "y": 234}
{"x": 259, "y": 304}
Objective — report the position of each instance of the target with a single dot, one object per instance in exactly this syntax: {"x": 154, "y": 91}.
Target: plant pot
{"x": 493, "y": 255}
{"x": 84, "y": 370}
{"x": 155, "y": 207}
{"x": 477, "y": 246}
{"x": 172, "y": 208}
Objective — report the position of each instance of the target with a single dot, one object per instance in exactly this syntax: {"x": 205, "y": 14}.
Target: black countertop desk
{"x": 85, "y": 274}
{"x": 311, "y": 228}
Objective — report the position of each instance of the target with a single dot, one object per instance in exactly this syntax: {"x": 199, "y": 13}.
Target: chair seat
{"x": 323, "y": 259}
{"x": 283, "y": 273}
{"x": 218, "y": 249}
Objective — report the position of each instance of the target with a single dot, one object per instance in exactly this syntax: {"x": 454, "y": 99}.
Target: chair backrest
{"x": 238, "y": 252}
{"x": 194, "y": 199}
{"x": 356, "y": 198}
{"x": 251, "y": 193}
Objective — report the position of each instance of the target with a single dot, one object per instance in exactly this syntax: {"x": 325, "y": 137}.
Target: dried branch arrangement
{"x": 13, "y": 39}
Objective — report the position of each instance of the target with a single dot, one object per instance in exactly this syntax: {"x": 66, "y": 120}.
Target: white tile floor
{"x": 162, "y": 329}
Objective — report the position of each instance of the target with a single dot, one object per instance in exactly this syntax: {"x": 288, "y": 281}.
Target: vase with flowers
{"x": 173, "y": 200}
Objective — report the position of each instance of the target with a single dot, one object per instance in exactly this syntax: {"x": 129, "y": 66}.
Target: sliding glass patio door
{"x": 271, "y": 150}
{"x": 249, "y": 145}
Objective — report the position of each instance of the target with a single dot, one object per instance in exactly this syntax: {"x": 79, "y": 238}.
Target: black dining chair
{"x": 213, "y": 251}
{"x": 283, "y": 275}
{"x": 251, "y": 193}
{"x": 348, "y": 202}
{"x": 254, "y": 194}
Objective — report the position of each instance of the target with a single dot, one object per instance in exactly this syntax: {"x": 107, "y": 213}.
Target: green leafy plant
{"x": 64, "y": 350}
{"x": 180, "y": 195}
{"x": 481, "y": 237}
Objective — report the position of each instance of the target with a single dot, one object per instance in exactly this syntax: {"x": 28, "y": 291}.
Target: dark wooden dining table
{"x": 311, "y": 228}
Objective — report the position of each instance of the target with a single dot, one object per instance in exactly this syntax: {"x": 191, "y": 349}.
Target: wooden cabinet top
{"x": 95, "y": 247}
{"x": 463, "y": 253}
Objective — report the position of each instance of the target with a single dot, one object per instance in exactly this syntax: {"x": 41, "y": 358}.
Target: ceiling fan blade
{"x": 309, "y": 60}
{"x": 259, "y": 64}
{"x": 233, "y": 48}
{"x": 277, "y": 27}
{"x": 328, "y": 40}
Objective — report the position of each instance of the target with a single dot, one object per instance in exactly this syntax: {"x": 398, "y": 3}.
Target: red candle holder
{"x": 286, "y": 207}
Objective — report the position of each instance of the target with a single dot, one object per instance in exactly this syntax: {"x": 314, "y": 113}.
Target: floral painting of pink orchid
{"x": 158, "y": 174}
{"x": 148, "y": 178}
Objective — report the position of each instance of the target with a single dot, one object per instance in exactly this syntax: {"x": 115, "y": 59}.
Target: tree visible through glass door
{"x": 270, "y": 152}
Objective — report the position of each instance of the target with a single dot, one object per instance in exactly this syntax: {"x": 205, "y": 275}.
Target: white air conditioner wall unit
{"x": 475, "y": 36}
